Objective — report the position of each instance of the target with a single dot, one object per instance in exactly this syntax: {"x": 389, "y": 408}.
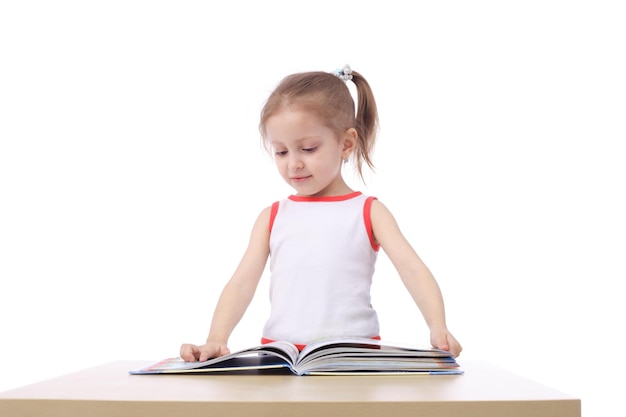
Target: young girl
{"x": 324, "y": 239}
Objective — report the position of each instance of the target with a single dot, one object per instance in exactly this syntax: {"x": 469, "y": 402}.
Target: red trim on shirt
{"x": 273, "y": 213}
{"x": 327, "y": 198}
{"x": 265, "y": 341}
{"x": 367, "y": 209}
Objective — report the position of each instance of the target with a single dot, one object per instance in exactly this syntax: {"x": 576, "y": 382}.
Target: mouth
{"x": 300, "y": 179}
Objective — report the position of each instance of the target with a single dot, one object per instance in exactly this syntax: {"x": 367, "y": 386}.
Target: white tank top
{"x": 322, "y": 256}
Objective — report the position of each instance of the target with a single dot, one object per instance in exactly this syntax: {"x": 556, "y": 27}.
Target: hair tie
{"x": 344, "y": 73}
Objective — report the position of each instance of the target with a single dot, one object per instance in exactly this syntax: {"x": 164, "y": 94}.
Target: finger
{"x": 214, "y": 353}
{"x": 205, "y": 355}
{"x": 441, "y": 342}
{"x": 456, "y": 350}
{"x": 185, "y": 352}
{"x": 193, "y": 353}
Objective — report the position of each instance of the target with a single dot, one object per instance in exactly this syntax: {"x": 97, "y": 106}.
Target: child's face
{"x": 308, "y": 154}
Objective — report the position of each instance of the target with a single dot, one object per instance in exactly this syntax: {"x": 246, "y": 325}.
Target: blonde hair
{"x": 328, "y": 97}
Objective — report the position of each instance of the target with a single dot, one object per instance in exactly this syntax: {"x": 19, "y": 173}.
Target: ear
{"x": 349, "y": 141}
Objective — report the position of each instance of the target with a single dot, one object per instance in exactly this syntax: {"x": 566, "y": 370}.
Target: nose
{"x": 295, "y": 163}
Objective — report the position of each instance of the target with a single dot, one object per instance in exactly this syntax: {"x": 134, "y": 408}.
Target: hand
{"x": 443, "y": 339}
{"x": 192, "y": 353}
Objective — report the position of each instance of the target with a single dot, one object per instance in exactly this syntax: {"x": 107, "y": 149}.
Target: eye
{"x": 280, "y": 153}
{"x": 309, "y": 150}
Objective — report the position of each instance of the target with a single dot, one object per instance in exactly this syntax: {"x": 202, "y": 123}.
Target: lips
{"x": 300, "y": 179}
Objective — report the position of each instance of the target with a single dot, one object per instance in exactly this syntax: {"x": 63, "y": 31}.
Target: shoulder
{"x": 378, "y": 209}
{"x": 262, "y": 223}
{"x": 384, "y": 225}
{"x": 266, "y": 213}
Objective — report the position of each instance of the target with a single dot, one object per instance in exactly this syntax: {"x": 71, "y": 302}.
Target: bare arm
{"x": 236, "y": 295}
{"x": 415, "y": 275}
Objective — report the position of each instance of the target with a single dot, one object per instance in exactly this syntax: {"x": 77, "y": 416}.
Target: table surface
{"x": 108, "y": 390}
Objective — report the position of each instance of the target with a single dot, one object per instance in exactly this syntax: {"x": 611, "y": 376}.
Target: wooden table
{"x": 108, "y": 390}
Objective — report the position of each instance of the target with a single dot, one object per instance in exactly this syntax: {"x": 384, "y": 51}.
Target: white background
{"x": 131, "y": 173}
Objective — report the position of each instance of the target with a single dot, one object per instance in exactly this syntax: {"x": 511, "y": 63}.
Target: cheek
{"x": 333, "y": 161}
{"x": 281, "y": 164}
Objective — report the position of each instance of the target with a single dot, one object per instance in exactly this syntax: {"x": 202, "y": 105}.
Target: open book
{"x": 327, "y": 357}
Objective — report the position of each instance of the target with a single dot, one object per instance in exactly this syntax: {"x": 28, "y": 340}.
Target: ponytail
{"x": 366, "y": 122}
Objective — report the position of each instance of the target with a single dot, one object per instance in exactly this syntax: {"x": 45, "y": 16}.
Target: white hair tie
{"x": 344, "y": 73}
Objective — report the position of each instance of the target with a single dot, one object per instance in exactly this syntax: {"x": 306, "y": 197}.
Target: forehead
{"x": 290, "y": 125}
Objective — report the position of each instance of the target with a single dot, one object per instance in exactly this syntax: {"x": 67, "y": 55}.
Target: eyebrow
{"x": 274, "y": 142}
